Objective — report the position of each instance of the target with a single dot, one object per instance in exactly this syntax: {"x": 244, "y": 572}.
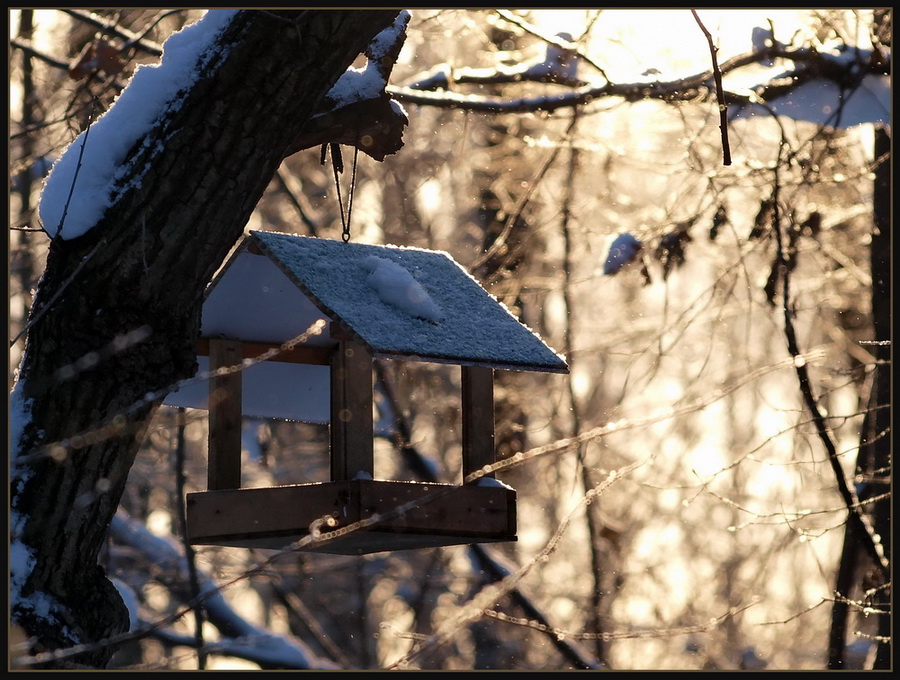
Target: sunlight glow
{"x": 670, "y": 39}
{"x": 159, "y": 522}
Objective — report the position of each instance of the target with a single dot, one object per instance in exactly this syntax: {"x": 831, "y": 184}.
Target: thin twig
{"x": 500, "y": 241}
{"x": 296, "y": 200}
{"x": 189, "y": 554}
{"x": 558, "y": 42}
{"x": 62, "y": 289}
{"x": 720, "y": 93}
{"x": 113, "y": 28}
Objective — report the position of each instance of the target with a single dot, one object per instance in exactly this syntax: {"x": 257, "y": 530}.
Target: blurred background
{"x": 676, "y": 506}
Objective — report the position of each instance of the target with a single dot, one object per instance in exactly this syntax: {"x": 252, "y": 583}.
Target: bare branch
{"x": 720, "y": 93}
{"x": 112, "y": 28}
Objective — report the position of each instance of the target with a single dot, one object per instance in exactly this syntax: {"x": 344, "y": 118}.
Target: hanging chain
{"x": 337, "y": 164}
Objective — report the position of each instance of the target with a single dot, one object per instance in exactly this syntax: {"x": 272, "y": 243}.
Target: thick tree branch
{"x": 375, "y": 126}
{"x": 809, "y": 64}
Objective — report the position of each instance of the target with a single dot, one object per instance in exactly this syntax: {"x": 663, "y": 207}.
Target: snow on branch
{"x": 559, "y": 65}
{"x": 91, "y": 166}
{"x": 358, "y": 111}
{"x": 821, "y": 76}
{"x": 240, "y": 638}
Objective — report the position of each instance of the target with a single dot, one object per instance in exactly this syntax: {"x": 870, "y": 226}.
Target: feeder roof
{"x": 402, "y": 302}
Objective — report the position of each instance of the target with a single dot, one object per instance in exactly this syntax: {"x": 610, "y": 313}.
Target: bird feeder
{"x": 367, "y": 302}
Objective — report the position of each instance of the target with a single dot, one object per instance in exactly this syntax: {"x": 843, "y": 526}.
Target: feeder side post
{"x": 352, "y": 422}
{"x": 477, "y": 418}
{"x": 224, "y": 416}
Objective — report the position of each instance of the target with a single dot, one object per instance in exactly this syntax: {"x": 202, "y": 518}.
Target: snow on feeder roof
{"x": 402, "y": 302}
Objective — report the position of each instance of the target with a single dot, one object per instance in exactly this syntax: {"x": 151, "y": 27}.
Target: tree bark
{"x": 878, "y": 440}
{"x": 873, "y": 467}
{"x": 142, "y": 271}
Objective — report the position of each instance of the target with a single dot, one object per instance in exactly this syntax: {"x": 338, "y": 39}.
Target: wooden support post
{"x": 352, "y": 423}
{"x": 477, "y": 418}
{"x": 224, "y": 416}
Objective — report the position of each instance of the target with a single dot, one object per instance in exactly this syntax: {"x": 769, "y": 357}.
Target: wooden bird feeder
{"x": 370, "y": 302}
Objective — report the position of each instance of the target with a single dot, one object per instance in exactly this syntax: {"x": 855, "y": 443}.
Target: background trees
{"x": 678, "y": 503}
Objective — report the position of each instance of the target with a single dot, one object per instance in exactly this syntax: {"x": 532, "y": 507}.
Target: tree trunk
{"x": 140, "y": 274}
{"x": 856, "y": 580}
{"x": 875, "y": 449}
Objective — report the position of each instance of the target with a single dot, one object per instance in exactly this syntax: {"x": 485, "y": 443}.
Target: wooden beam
{"x": 410, "y": 515}
{"x": 352, "y": 423}
{"x": 224, "y": 416}
{"x": 303, "y": 354}
{"x": 477, "y": 418}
